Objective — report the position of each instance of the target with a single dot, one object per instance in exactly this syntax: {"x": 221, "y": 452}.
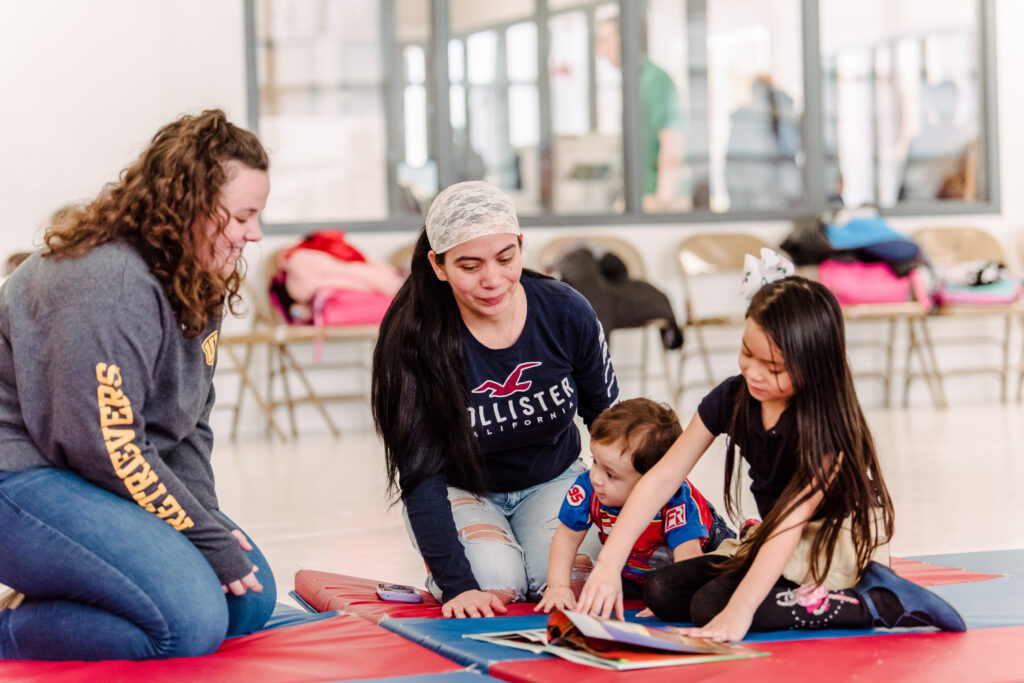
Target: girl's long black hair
{"x": 827, "y": 437}
{"x": 418, "y": 389}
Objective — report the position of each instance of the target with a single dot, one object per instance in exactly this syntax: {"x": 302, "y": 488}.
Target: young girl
{"x": 793, "y": 415}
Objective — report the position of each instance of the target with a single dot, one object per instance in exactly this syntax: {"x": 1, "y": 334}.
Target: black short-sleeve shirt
{"x": 769, "y": 454}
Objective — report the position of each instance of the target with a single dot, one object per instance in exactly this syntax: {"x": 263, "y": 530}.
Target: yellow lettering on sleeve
{"x": 108, "y": 375}
{"x": 141, "y": 482}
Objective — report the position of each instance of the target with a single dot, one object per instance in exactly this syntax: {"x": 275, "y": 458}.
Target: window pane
{"x": 473, "y": 15}
{"x": 521, "y": 46}
{"x": 586, "y": 112}
{"x": 416, "y": 173}
{"x": 482, "y": 54}
{"x": 722, "y": 88}
{"x": 321, "y": 115}
{"x": 901, "y": 100}
{"x": 495, "y": 109}
{"x": 569, "y": 71}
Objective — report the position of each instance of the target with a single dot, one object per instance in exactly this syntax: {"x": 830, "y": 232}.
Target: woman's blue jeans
{"x": 104, "y": 579}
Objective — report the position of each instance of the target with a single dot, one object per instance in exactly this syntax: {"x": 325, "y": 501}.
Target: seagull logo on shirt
{"x": 511, "y": 385}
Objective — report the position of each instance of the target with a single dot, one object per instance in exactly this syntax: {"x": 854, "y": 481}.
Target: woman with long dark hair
{"x": 479, "y": 371}
{"x": 112, "y": 535}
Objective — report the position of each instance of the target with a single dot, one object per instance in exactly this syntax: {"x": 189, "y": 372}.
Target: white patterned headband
{"x": 757, "y": 272}
{"x": 468, "y": 210}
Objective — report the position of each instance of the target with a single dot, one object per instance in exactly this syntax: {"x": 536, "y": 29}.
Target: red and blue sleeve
{"x": 575, "y": 511}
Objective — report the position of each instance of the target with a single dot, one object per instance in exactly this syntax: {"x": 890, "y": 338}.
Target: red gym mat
{"x": 924, "y": 574}
{"x": 991, "y": 654}
{"x": 324, "y": 592}
{"x": 335, "y": 649}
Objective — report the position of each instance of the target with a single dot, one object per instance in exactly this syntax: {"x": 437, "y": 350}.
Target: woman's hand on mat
{"x": 731, "y": 624}
{"x": 602, "y": 594}
{"x": 556, "y": 597}
{"x": 246, "y": 583}
{"x": 645, "y": 612}
{"x": 473, "y": 603}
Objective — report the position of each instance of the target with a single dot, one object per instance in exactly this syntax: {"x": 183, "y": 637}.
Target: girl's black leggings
{"x": 696, "y": 590}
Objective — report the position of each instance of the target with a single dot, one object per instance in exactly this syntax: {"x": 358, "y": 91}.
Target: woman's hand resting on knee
{"x": 473, "y": 603}
{"x": 249, "y": 582}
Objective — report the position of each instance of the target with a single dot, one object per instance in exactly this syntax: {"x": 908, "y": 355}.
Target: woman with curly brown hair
{"x": 112, "y": 534}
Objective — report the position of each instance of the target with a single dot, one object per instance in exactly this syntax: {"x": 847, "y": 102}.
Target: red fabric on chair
{"x": 339, "y": 648}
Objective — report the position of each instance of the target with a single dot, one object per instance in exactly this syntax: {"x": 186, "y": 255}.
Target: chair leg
{"x": 311, "y": 394}
{"x": 930, "y": 367}
{"x": 666, "y": 366}
{"x": 1020, "y": 377}
{"x": 705, "y": 355}
{"x": 247, "y": 383}
{"x": 680, "y": 387}
{"x": 1006, "y": 358}
{"x": 282, "y": 372}
{"x": 887, "y": 378}
{"x": 243, "y": 371}
{"x": 908, "y": 362}
{"x": 272, "y": 373}
{"x": 643, "y": 360}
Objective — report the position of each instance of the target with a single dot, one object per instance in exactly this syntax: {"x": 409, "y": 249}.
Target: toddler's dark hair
{"x": 645, "y": 428}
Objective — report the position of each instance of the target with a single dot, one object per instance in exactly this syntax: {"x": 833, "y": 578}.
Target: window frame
{"x": 439, "y": 129}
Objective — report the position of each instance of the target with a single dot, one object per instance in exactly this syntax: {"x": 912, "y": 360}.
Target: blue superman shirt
{"x": 681, "y": 519}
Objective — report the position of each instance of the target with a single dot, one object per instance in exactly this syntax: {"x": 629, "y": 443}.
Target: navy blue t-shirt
{"x": 523, "y": 400}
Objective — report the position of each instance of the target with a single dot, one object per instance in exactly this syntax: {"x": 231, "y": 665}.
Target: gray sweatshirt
{"x": 96, "y": 377}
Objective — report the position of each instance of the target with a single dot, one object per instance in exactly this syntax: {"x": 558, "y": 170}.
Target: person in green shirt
{"x": 661, "y": 120}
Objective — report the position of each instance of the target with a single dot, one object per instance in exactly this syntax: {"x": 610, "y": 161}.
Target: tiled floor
{"x": 957, "y": 477}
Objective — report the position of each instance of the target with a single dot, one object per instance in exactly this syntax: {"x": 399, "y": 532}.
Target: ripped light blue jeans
{"x": 507, "y": 536}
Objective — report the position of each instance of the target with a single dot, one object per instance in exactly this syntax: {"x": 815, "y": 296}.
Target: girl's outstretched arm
{"x": 602, "y": 593}
{"x": 733, "y": 622}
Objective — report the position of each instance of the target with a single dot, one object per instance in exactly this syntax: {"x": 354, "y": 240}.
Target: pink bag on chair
{"x": 857, "y": 282}
{"x": 349, "y": 307}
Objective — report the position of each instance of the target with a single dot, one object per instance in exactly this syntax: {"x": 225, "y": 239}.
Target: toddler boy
{"x": 626, "y": 441}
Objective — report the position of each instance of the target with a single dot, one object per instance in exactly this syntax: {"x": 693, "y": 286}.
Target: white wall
{"x": 86, "y": 84}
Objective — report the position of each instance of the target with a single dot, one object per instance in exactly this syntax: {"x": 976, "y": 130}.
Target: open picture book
{"x": 613, "y": 644}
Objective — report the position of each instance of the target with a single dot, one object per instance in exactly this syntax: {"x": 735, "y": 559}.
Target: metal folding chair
{"x": 700, "y": 256}
{"x": 290, "y": 360}
{"x": 947, "y": 247}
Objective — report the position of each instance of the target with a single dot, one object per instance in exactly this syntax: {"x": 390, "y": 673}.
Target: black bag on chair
{"x": 618, "y": 301}
{"x": 808, "y": 243}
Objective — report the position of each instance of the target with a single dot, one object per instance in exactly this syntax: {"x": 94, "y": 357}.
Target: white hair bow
{"x": 757, "y": 272}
